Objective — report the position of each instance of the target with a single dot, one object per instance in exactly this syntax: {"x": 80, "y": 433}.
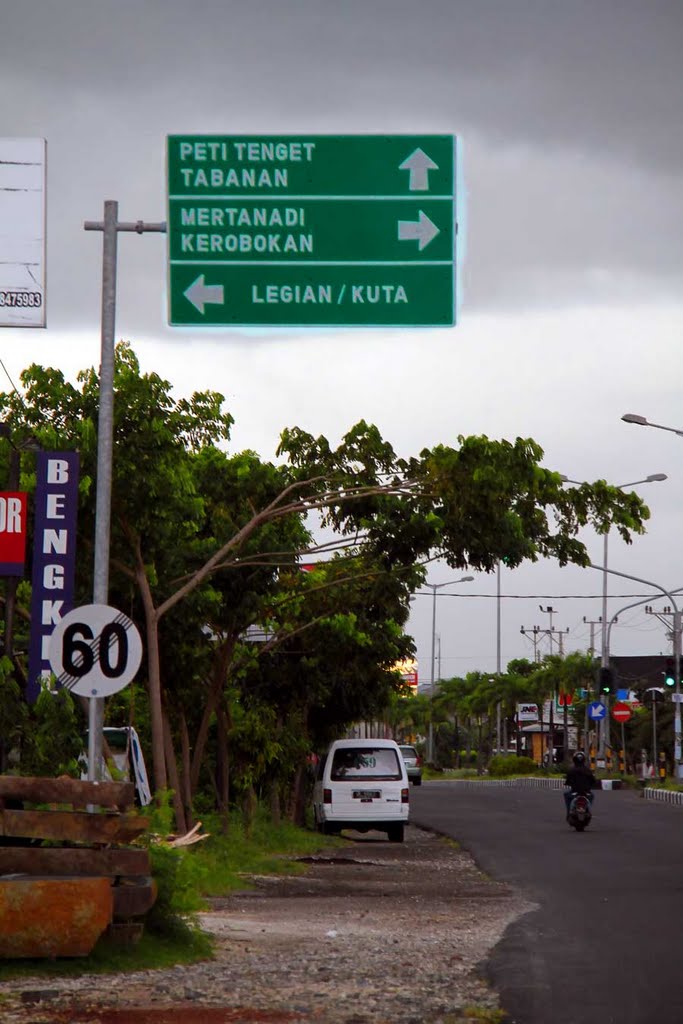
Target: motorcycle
{"x": 580, "y": 812}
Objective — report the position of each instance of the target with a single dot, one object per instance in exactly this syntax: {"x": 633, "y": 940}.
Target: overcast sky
{"x": 569, "y": 116}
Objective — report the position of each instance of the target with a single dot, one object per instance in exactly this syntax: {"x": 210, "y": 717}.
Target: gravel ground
{"x": 373, "y": 933}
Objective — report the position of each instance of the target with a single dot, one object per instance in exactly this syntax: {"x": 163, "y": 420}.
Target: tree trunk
{"x": 185, "y": 778}
{"x": 181, "y": 824}
{"x": 222, "y": 762}
{"x": 153, "y": 676}
{"x": 249, "y": 805}
{"x": 219, "y": 673}
{"x": 275, "y": 807}
{"x": 298, "y": 802}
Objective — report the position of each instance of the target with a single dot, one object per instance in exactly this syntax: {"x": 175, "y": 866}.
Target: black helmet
{"x": 579, "y": 759}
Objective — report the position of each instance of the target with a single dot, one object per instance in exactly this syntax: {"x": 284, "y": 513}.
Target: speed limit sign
{"x": 95, "y": 650}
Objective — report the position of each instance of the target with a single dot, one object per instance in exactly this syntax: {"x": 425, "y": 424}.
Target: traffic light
{"x": 670, "y": 672}
{"x": 606, "y": 680}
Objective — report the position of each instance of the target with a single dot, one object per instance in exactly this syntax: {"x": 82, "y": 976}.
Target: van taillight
{"x": 327, "y": 796}
{"x": 418, "y": 761}
{"x": 405, "y": 796}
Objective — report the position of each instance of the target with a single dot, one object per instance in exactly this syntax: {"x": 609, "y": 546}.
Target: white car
{"x": 413, "y": 763}
{"x": 362, "y": 785}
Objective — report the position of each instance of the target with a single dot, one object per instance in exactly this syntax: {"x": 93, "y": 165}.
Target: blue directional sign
{"x": 596, "y": 710}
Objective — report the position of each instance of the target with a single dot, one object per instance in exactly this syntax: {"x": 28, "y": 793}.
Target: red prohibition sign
{"x": 621, "y": 712}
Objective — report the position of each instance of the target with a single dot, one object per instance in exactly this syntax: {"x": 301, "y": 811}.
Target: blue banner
{"x": 54, "y": 557}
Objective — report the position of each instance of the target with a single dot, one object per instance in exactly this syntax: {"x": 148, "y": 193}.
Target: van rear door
{"x": 366, "y": 782}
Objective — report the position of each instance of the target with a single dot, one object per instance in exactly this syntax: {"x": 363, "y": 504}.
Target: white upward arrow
{"x": 419, "y": 165}
{"x": 422, "y": 230}
{"x": 200, "y": 294}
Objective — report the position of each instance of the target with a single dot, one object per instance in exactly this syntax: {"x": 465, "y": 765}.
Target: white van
{"x": 363, "y": 785}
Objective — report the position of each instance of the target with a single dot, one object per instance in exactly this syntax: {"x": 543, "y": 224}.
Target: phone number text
{"x": 31, "y": 299}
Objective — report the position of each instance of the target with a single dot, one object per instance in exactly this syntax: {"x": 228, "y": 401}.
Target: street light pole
{"x": 434, "y": 587}
{"x": 430, "y": 753}
{"x": 498, "y": 659}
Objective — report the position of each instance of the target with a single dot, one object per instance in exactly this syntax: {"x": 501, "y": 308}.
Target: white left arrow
{"x": 200, "y": 294}
{"x": 422, "y": 230}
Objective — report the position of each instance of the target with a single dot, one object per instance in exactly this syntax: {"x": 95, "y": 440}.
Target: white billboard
{"x": 527, "y": 712}
{"x": 22, "y": 232}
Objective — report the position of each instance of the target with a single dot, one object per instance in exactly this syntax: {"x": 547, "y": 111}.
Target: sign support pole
{"x": 109, "y": 227}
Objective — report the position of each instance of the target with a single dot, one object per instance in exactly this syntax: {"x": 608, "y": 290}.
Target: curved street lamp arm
{"x": 627, "y": 608}
{"x": 636, "y": 579}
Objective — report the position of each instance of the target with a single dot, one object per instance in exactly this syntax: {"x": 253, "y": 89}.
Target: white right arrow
{"x": 419, "y": 165}
{"x": 422, "y": 230}
{"x": 200, "y": 294}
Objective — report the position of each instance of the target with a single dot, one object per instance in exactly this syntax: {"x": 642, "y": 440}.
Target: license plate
{"x": 366, "y": 796}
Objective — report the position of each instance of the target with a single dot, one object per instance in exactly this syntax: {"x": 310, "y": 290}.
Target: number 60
{"x": 78, "y": 655}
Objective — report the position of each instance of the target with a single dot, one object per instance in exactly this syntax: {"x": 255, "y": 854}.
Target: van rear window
{"x": 365, "y": 763}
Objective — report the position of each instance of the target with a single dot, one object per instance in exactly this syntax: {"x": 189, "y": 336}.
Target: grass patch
{"x": 227, "y": 859}
{"x": 152, "y": 952}
{"x": 668, "y": 782}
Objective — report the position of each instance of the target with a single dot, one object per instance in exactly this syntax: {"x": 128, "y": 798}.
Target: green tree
{"x": 186, "y": 518}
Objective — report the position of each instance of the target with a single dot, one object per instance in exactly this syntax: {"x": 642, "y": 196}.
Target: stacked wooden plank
{"x": 88, "y": 863}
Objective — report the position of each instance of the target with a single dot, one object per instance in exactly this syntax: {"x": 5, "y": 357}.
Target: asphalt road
{"x": 606, "y": 943}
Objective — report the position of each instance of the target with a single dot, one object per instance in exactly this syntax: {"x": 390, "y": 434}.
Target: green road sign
{"x": 311, "y": 231}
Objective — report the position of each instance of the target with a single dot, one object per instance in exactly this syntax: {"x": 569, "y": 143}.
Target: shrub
{"x": 503, "y": 765}
{"x": 180, "y": 876}
{"x": 52, "y": 741}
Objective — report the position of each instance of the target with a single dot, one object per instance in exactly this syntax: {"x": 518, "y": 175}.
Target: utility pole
{"x": 673, "y": 634}
{"x": 535, "y": 632}
{"x": 677, "y": 631}
{"x": 110, "y": 227}
{"x": 663, "y": 616}
{"x": 549, "y": 632}
{"x": 592, "y": 623}
{"x": 561, "y": 633}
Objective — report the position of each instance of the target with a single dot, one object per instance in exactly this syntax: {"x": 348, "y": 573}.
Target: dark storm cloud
{"x": 587, "y": 73}
{"x": 570, "y": 114}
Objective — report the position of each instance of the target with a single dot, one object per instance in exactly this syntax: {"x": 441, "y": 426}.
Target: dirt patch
{"x": 378, "y": 933}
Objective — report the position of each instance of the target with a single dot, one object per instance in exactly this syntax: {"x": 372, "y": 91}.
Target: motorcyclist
{"x": 579, "y": 779}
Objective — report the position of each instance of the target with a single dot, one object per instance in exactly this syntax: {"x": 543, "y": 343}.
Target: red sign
{"x": 13, "y": 506}
{"x": 621, "y": 712}
{"x": 565, "y": 699}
